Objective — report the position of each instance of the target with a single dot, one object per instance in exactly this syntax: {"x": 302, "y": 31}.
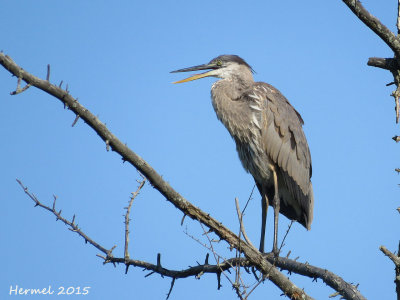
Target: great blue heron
{"x": 269, "y": 139}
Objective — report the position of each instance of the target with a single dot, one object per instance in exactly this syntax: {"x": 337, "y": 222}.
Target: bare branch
{"x": 337, "y": 283}
{"x": 75, "y": 121}
{"x": 128, "y": 211}
{"x": 284, "y": 238}
{"x": 396, "y": 260}
{"x": 347, "y": 290}
{"x": 396, "y": 94}
{"x": 48, "y": 73}
{"x": 18, "y": 90}
{"x": 172, "y": 286}
{"x": 383, "y": 63}
{"x": 73, "y": 227}
{"x": 375, "y": 25}
{"x": 240, "y": 217}
{"x": 389, "y": 38}
{"x": 398, "y": 18}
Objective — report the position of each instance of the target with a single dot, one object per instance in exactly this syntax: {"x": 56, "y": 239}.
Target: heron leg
{"x": 264, "y": 210}
{"x": 276, "y": 205}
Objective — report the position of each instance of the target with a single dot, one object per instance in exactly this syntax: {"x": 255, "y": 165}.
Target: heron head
{"x": 223, "y": 66}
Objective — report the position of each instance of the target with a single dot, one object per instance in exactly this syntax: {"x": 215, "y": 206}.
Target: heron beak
{"x": 194, "y": 77}
{"x": 196, "y": 68}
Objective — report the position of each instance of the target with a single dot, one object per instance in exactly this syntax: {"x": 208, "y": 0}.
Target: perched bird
{"x": 269, "y": 139}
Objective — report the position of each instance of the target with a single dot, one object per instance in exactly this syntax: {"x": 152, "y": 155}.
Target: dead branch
{"x": 19, "y": 90}
{"x": 240, "y": 218}
{"x": 72, "y": 225}
{"x": 375, "y": 25}
{"x": 345, "y": 289}
{"x": 127, "y": 220}
{"x": 393, "y": 41}
{"x": 383, "y": 63}
{"x": 396, "y": 260}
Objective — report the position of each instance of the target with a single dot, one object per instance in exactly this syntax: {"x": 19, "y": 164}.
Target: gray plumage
{"x": 269, "y": 138}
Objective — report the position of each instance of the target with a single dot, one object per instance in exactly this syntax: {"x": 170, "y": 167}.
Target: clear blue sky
{"x": 116, "y": 59}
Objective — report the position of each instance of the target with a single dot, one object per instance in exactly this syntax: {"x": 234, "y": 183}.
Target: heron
{"x": 269, "y": 137}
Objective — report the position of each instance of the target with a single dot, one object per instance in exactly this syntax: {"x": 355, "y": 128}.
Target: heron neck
{"x": 234, "y": 86}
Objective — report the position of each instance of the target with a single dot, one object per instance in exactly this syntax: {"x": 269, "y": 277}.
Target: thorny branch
{"x": 284, "y": 263}
{"x": 128, "y": 211}
{"x": 72, "y": 225}
{"x": 252, "y": 255}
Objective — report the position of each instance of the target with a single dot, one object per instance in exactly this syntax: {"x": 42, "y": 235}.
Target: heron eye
{"x": 219, "y": 63}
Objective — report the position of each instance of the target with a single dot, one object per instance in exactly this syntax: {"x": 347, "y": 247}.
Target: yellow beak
{"x": 194, "y": 77}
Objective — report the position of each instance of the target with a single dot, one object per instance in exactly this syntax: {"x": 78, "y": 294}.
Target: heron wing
{"x": 285, "y": 143}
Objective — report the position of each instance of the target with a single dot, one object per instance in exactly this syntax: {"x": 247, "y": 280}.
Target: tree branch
{"x": 127, "y": 220}
{"x": 375, "y": 25}
{"x": 396, "y": 260}
{"x": 73, "y": 226}
{"x": 383, "y": 63}
{"x": 345, "y": 289}
{"x": 393, "y": 41}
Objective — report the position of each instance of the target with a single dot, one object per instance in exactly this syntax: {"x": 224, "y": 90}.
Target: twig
{"x": 398, "y": 18}
{"x": 396, "y": 95}
{"x": 284, "y": 238}
{"x": 248, "y": 200}
{"x": 170, "y": 289}
{"x": 128, "y": 211}
{"x": 217, "y": 259}
{"x": 18, "y": 90}
{"x": 254, "y": 287}
{"x": 183, "y": 219}
{"x": 72, "y": 225}
{"x": 242, "y": 229}
{"x": 395, "y": 259}
{"x": 75, "y": 121}
{"x": 48, "y": 73}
